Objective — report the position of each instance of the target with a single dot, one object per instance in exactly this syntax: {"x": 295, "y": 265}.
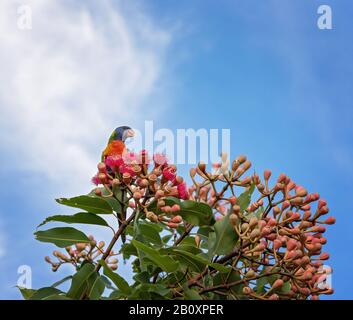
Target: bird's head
{"x": 122, "y": 133}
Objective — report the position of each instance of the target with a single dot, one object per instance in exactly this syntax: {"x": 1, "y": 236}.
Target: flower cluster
{"x": 145, "y": 180}
{"x": 281, "y": 232}
{"x": 76, "y": 255}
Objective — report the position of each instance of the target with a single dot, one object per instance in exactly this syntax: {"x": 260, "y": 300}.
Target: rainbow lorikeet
{"x": 116, "y": 147}
{"x": 116, "y": 143}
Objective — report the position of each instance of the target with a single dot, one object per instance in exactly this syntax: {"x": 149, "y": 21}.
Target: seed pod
{"x": 274, "y": 297}
{"x": 113, "y": 261}
{"x": 101, "y": 244}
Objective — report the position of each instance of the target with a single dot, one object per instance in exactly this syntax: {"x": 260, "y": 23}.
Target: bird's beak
{"x": 130, "y": 133}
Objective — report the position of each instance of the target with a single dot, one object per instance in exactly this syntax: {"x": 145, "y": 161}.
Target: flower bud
{"x": 202, "y": 166}
{"x": 98, "y": 192}
{"x": 233, "y": 219}
{"x": 330, "y": 220}
{"x": 152, "y": 216}
{"x": 172, "y": 225}
{"x": 102, "y": 167}
{"x": 253, "y": 222}
{"x": 277, "y": 284}
{"x": 267, "y": 174}
{"x": 176, "y": 219}
{"x": 247, "y": 290}
{"x": 255, "y": 234}
{"x": 175, "y": 208}
{"x": 197, "y": 240}
{"x": 192, "y": 172}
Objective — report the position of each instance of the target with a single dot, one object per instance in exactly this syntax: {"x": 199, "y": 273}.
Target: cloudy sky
{"x": 260, "y": 68}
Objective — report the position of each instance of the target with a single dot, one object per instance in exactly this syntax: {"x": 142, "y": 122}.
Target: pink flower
{"x": 169, "y": 173}
{"x": 114, "y": 162}
{"x": 183, "y": 191}
{"x": 95, "y": 180}
{"x": 143, "y": 157}
{"x": 160, "y": 159}
{"x": 130, "y": 157}
{"x": 127, "y": 169}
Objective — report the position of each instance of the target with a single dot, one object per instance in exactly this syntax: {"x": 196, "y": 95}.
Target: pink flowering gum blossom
{"x": 114, "y": 162}
{"x": 183, "y": 191}
{"x": 169, "y": 173}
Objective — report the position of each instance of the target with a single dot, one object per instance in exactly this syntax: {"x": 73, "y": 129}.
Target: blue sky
{"x": 261, "y": 68}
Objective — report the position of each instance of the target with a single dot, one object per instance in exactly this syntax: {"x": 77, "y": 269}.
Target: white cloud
{"x": 65, "y": 84}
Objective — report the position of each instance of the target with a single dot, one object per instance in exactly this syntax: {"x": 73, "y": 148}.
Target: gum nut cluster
{"x": 146, "y": 180}
{"x": 281, "y": 233}
{"x": 80, "y": 252}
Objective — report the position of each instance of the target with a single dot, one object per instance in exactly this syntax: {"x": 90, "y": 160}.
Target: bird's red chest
{"x": 114, "y": 148}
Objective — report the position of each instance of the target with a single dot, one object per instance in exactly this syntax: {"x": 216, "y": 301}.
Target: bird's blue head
{"x": 122, "y": 133}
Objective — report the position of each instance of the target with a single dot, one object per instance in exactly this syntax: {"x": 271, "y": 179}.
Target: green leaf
{"x": 112, "y": 201}
{"x": 80, "y": 281}
{"x": 165, "y": 262}
{"x": 26, "y": 293}
{"x": 128, "y": 250}
{"x": 223, "y": 240}
{"x": 117, "y": 279}
{"x": 44, "y": 293}
{"x": 197, "y": 263}
{"x": 81, "y": 217}
{"x": 89, "y": 203}
{"x": 97, "y": 286}
{"x": 245, "y": 198}
{"x": 58, "y": 283}
{"x": 149, "y": 233}
{"x": 61, "y": 237}
{"x": 225, "y": 278}
{"x": 191, "y": 294}
{"x": 57, "y": 297}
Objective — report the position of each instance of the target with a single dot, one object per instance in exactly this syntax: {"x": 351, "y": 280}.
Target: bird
{"x": 116, "y": 147}
{"x": 116, "y": 143}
